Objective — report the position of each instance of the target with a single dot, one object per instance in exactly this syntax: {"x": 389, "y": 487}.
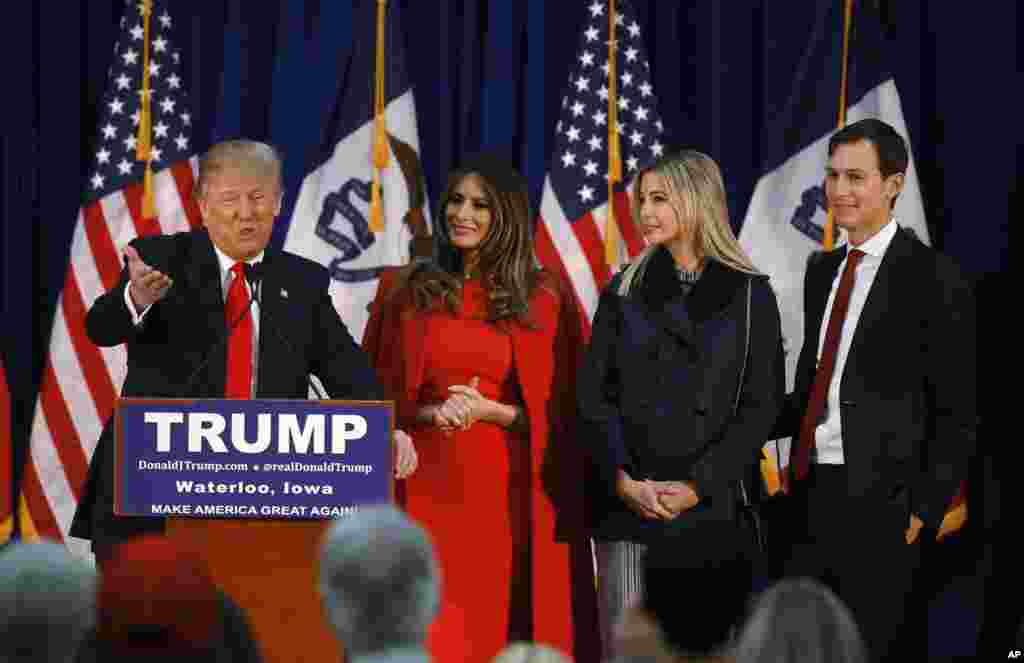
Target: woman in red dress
{"x": 478, "y": 347}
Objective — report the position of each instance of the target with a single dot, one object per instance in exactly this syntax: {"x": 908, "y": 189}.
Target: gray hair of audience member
{"x": 47, "y": 603}
{"x": 799, "y": 619}
{"x": 526, "y": 652}
{"x": 379, "y": 580}
{"x": 249, "y": 156}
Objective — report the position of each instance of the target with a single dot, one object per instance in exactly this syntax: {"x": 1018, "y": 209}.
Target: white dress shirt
{"x": 829, "y": 434}
{"x": 226, "y": 276}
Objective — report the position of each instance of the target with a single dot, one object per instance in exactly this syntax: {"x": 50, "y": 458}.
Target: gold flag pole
{"x": 829, "y": 241}
{"x": 611, "y": 232}
{"x": 144, "y": 139}
{"x": 381, "y": 154}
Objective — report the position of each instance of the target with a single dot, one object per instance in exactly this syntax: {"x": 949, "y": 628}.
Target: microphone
{"x": 254, "y": 275}
{"x": 220, "y": 341}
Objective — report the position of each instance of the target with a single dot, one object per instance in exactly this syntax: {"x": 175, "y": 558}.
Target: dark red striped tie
{"x": 239, "y": 359}
{"x": 801, "y": 456}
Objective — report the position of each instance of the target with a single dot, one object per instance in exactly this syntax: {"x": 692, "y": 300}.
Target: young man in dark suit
{"x": 182, "y": 306}
{"x": 883, "y": 415}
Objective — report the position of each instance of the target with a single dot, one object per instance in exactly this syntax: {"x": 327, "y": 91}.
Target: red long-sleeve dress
{"x": 504, "y": 509}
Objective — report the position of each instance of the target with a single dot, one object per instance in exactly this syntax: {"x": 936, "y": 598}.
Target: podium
{"x": 269, "y": 568}
{"x": 249, "y": 487}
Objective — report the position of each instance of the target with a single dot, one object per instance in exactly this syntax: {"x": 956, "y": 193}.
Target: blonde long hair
{"x": 697, "y": 194}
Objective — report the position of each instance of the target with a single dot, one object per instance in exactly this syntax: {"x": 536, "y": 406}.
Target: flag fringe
{"x": 611, "y": 234}
{"x": 830, "y": 229}
{"x": 381, "y": 154}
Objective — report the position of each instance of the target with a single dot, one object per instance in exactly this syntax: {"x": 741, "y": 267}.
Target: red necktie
{"x": 239, "y": 359}
{"x": 801, "y": 456}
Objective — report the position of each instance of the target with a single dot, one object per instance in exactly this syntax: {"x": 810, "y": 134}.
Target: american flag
{"x": 570, "y": 232}
{"x": 81, "y": 381}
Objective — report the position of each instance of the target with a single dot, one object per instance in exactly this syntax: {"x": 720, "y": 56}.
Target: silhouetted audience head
{"x": 639, "y": 639}
{"x": 158, "y": 603}
{"x": 800, "y": 620}
{"x": 525, "y": 652}
{"x": 697, "y": 595}
{"x": 379, "y": 581}
{"x": 47, "y": 603}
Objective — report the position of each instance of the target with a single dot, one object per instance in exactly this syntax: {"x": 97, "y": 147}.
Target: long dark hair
{"x": 506, "y": 264}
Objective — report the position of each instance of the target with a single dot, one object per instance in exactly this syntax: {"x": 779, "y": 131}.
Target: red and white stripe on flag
{"x": 81, "y": 381}
{"x": 576, "y": 251}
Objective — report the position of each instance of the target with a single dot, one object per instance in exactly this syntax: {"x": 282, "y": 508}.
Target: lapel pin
{"x": 284, "y": 293}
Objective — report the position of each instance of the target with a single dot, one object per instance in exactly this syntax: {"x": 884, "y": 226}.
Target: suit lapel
{"x": 662, "y": 296}
{"x": 880, "y": 298}
{"x": 269, "y": 303}
{"x": 205, "y": 279}
{"x": 821, "y": 287}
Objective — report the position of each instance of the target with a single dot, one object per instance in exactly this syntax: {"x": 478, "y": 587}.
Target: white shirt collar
{"x": 227, "y": 263}
{"x": 879, "y": 242}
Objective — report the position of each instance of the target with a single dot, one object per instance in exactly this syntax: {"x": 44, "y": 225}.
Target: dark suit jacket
{"x": 300, "y": 334}
{"x": 657, "y": 389}
{"x": 908, "y": 396}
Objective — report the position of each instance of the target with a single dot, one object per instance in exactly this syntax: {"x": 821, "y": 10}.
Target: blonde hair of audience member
{"x": 379, "y": 581}
{"x": 47, "y": 603}
{"x": 800, "y": 621}
{"x": 697, "y": 195}
{"x": 526, "y": 652}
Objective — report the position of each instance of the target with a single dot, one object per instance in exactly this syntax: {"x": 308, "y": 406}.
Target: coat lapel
{"x": 675, "y": 319}
{"x": 716, "y": 289}
{"x": 681, "y": 316}
{"x": 269, "y": 303}
{"x": 880, "y": 298}
{"x": 820, "y": 288}
{"x": 661, "y": 294}
{"x": 204, "y": 278}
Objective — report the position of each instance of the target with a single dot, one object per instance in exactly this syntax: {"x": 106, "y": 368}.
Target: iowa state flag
{"x": 330, "y": 222}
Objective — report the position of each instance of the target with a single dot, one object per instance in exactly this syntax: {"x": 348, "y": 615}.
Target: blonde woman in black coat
{"x": 681, "y": 384}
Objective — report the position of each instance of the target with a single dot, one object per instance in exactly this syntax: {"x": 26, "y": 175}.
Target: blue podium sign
{"x": 274, "y": 459}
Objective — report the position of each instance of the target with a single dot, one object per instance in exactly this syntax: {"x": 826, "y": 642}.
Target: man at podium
{"x": 215, "y": 313}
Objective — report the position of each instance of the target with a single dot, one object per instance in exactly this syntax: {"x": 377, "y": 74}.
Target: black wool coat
{"x": 657, "y": 391}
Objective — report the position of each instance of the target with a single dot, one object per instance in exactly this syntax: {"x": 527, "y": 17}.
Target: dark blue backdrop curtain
{"x": 489, "y": 74}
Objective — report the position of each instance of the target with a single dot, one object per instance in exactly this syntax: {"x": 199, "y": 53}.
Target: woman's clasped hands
{"x": 464, "y": 407}
{"x": 656, "y": 500}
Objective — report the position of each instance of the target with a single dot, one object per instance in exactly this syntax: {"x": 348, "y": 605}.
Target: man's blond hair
{"x": 248, "y": 156}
